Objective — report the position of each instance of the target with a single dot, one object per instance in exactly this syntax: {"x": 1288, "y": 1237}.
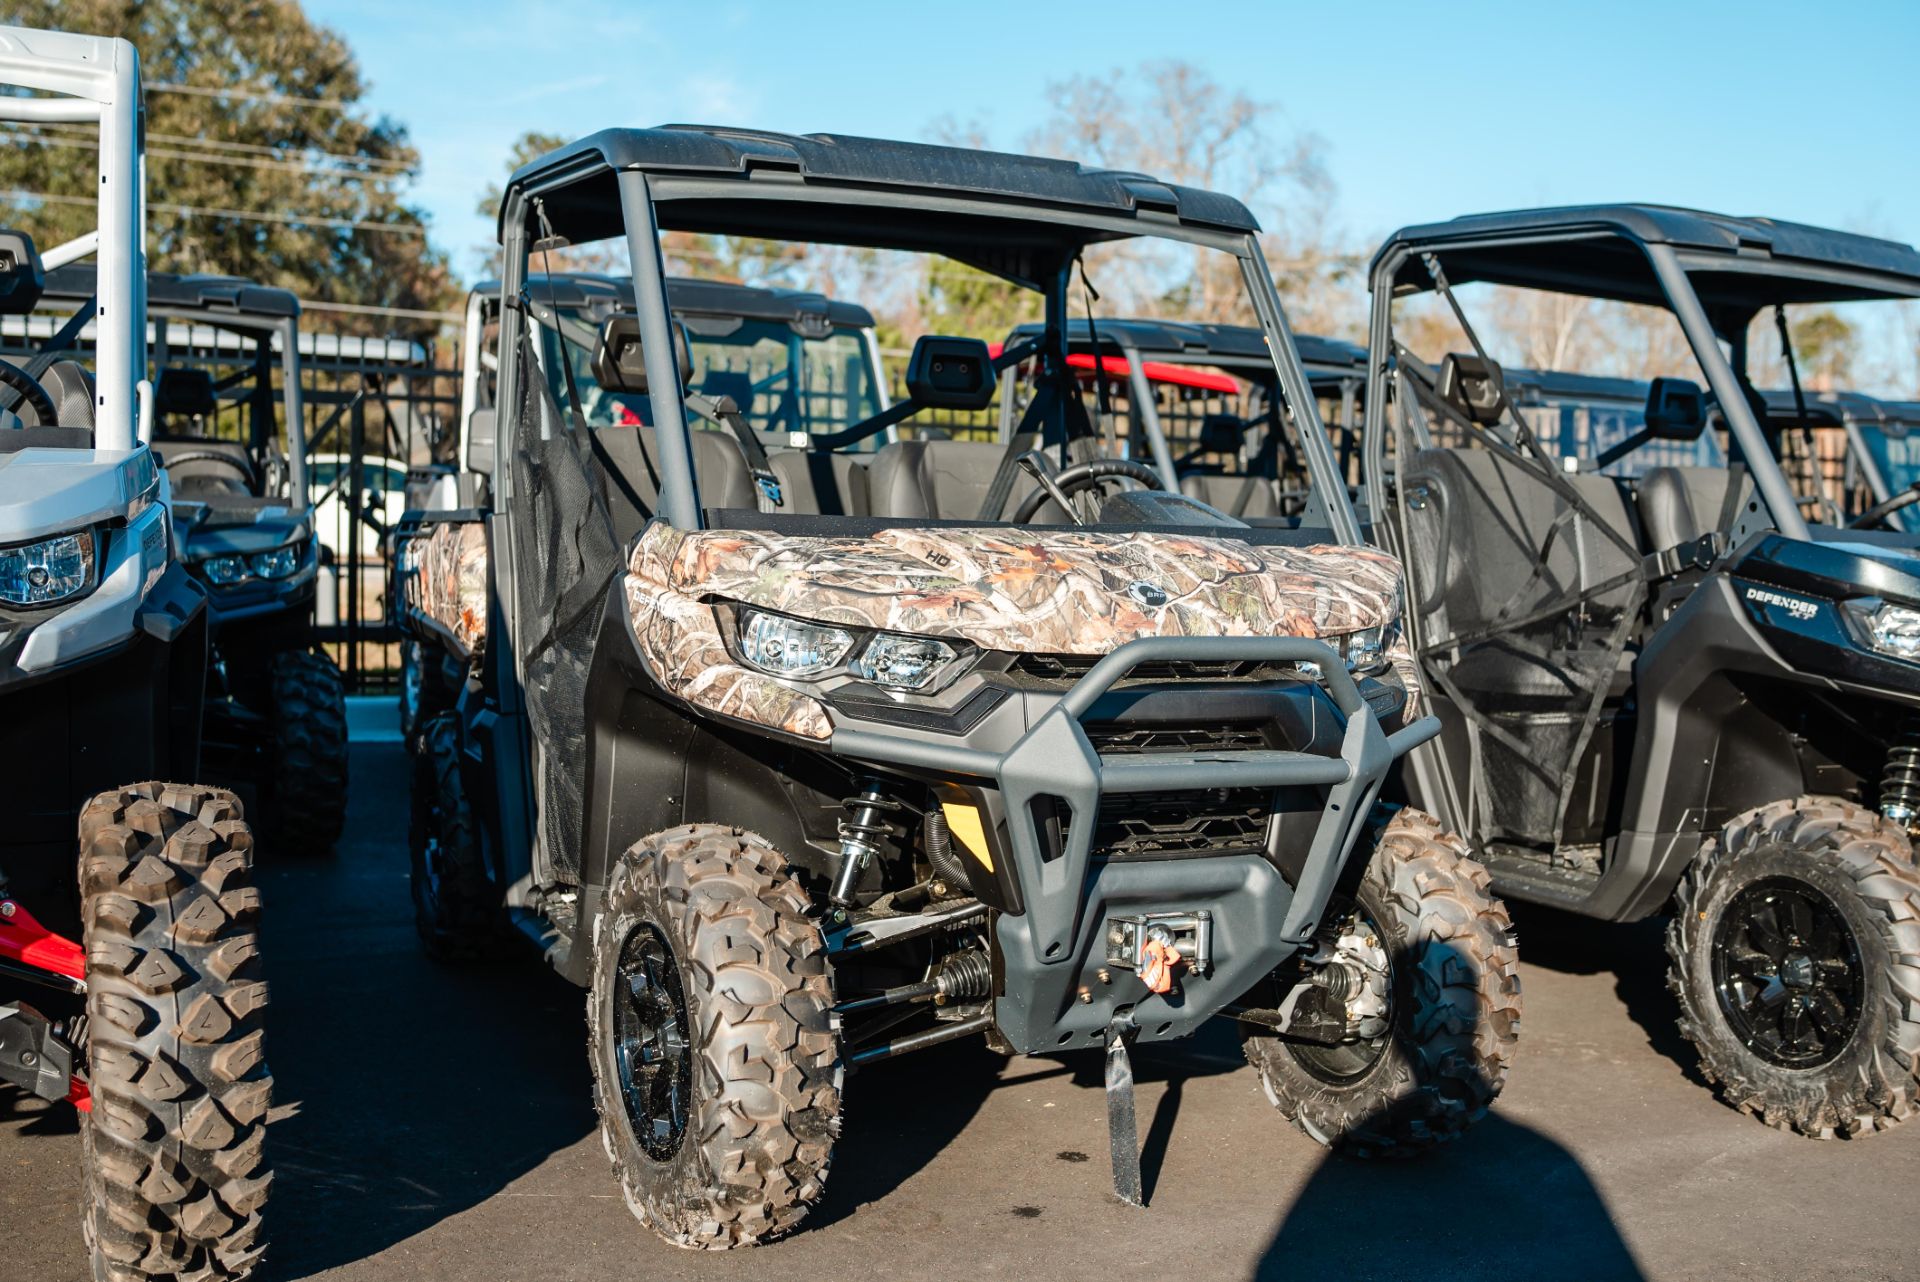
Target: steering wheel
{"x": 1077, "y": 477}
{"x": 31, "y": 392}
{"x": 1879, "y": 512}
{"x": 245, "y": 469}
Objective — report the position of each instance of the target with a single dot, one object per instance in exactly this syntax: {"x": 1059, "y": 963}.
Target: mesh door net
{"x": 1527, "y": 585}
{"x": 566, "y": 558}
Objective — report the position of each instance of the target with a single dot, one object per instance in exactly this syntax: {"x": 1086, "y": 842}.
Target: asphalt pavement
{"x": 434, "y": 1124}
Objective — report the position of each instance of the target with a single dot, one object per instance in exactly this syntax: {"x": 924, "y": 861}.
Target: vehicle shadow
{"x": 1503, "y": 1200}
{"x": 898, "y": 1134}
{"x": 405, "y": 1092}
{"x": 1633, "y": 952}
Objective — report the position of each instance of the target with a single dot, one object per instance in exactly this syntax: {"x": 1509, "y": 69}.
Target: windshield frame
{"x": 641, "y": 193}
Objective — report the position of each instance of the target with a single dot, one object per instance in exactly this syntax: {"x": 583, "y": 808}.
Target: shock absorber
{"x": 1900, "y": 778}
{"x": 861, "y": 833}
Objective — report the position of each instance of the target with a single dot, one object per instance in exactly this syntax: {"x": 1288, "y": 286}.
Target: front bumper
{"x": 1052, "y": 943}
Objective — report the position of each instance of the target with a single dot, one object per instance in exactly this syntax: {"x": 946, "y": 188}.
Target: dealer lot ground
{"x": 476, "y": 1156}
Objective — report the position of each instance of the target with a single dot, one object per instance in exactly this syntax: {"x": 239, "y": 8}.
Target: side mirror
{"x": 619, "y": 359}
{"x": 1472, "y": 387}
{"x": 1676, "y": 410}
{"x": 479, "y": 448}
{"x": 22, "y": 279}
{"x": 951, "y": 373}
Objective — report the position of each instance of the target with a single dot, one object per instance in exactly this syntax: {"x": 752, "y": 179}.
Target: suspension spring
{"x": 862, "y": 833}
{"x": 965, "y": 977}
{"x": 1900, "y": 779}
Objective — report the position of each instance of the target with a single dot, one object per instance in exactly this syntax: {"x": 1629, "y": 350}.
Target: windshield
{"x": 784, "y": 383}
{"x": 986, "y": 416}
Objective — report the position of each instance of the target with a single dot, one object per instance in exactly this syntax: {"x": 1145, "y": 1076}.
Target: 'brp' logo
{"x": 1147, "y": 594}
{"x": 1797, "y": 608}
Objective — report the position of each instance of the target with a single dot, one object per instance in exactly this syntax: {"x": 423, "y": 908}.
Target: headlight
{"x": 1895, "y": 630}
{"x": 279, "y": 563}
{"x": 46, "y": 572}
{"x": 791, "y": 647}
{"x": 1365, "y": 649}
{"x": 222, "y": 571}
{"x": 902, "y": 662}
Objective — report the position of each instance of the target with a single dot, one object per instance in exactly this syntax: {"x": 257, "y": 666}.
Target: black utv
{"x": 1670, "y": 679}
{"x": 1001, "y": 741}
{"x": 229, "y": 428}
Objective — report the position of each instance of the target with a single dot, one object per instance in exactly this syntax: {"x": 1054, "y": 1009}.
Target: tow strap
{"x": 1123, "y": 1129}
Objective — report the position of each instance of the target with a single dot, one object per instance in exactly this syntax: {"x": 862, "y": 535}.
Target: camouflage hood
{"x": 1048, "y": 591}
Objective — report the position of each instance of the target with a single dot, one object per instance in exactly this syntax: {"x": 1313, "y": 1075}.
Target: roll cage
{"x": 98, "y": 83}
{"x": 1023, "y": 219}
{"x": 1714, "y": 273}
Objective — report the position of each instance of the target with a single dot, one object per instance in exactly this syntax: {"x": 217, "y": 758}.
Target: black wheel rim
{"x": 1343, "y": 1062}
{"x": 409, "y": 688}
{"x": 1788, "y": 974}
{"x": 650, "y": 1042}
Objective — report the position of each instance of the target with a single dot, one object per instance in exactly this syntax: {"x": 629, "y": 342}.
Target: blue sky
{"x": 1796, "y": 111}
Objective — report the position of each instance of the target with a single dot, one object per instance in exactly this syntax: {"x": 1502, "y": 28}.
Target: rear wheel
{"x": 309, "y": 787}
{"x": 456, "y": 905}
{"x": 1403, "y": 1032}
{"x": 1795, "y": 945}
{"x": 172, "y": 1147}
{"x": 716, "y": 1065}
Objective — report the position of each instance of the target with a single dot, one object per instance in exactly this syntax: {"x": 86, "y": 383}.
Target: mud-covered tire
{"x": 1454, "y": 1014}
{"x": 1862, "y": 865}
{"x": 174, "y": 1172}
{"x": 456, "y": 905}
{"x": 308, "y": 795}
{"x": 763, "y": 1069}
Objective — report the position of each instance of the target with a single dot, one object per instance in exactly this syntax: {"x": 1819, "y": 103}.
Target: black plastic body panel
{"x": 127, "y": 715}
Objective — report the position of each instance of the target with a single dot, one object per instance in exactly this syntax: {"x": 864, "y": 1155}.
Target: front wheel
{"x": 1404, "y": 1022}
{"x": 172, "y": 1146}
{"x": 309, "y": 786}
{"x": 716, "y": 1065}
{"x": 1795, "y": 945}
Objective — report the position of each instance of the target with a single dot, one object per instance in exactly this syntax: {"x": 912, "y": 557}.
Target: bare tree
{"x": 1171, "y": 120}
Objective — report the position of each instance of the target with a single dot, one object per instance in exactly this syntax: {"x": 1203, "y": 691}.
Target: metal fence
{"x": 376, "y": 410}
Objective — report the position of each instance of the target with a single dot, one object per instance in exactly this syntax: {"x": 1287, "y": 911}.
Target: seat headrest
{"x": 184, "y": 391}
{"x": 1222, "y": 433}
{"x": 736, "y": 385}
{"x": 71, "y": 387}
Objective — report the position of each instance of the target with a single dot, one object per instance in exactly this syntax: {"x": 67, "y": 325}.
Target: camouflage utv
{"x": 1006, "y": 741}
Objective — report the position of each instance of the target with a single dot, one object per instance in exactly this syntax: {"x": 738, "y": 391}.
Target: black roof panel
{"x": 687, "y": 294}
{"x": 229, "y": 295}
{"x": 842, "y": 159}
{"x": 1793, "y": 253}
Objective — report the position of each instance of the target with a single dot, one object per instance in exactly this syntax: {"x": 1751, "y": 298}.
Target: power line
{"x": 248, "y": 95}
{"x": 244, "y": 161}
{"x": 199, "y": 211}
{"x": 261, "y": 149}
